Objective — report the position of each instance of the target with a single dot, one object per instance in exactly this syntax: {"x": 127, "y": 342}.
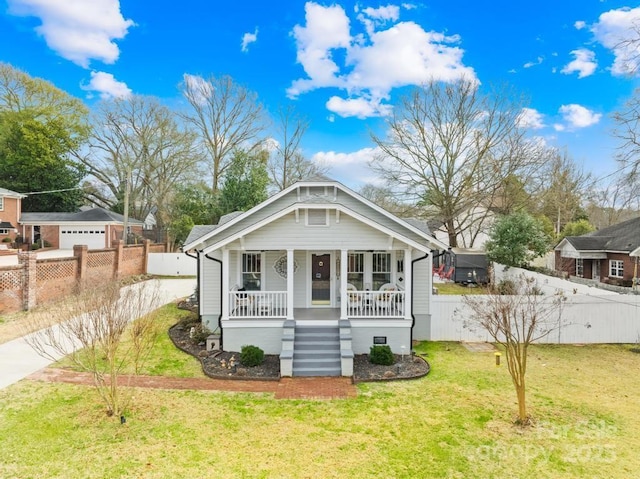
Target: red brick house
{"x": 604, "y": 255}
{"x": 10, "y": 208}
{"x": 96, "y": 227}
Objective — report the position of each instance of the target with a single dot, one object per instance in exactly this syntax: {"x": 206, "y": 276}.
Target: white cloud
{"x": 531, "y": 118}
{"x": 584, "y": 63}
{"x": 577, "y": 116}
{"x": 78, "y": 30}
{"x": 538, "y": 61}
{"x": 199, "y": 88}
{"x": 358, "y": 107}
{"x": 249, "y": 38}
{"x": 373, "y": 63}
{"x": 352, "y": 169}
{"x": 619, "y": 31}
{"x": 106, "y": 86}
{"x": 579, "y": 25}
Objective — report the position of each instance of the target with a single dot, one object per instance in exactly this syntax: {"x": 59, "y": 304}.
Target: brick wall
{"x": 10, "y": 213}
{"x": 40, "y": 281}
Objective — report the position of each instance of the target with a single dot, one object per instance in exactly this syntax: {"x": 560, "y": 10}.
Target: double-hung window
{"x": 616, "y": 268}
{"x": 252, "y": 271}
{"x": 355, "y": 270}
{"x": 381, "y": 269}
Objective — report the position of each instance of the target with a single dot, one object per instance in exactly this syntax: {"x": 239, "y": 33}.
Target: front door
{"x": 596, "y": 269}
{"x": 321, "y": 279}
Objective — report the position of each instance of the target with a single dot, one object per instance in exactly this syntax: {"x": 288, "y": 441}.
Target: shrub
{"x": 251, "y": 356}
{"x": 506, "y": 287}
{"x": 381, "y": 354}
{"x": 200, "y": 334}
{"x": 6, "y": 240}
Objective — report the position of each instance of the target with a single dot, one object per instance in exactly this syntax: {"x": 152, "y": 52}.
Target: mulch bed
{"x": 226, "y": 364}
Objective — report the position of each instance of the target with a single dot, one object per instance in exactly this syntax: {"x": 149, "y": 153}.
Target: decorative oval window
{"x": 280, "y": 266}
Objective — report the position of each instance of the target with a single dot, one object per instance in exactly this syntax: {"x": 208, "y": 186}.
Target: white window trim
{"x": 1, "y": 203}
{"x": 263, "y": 275}
{"x": 620, "y": 268}
{"x": 579, "y": 267}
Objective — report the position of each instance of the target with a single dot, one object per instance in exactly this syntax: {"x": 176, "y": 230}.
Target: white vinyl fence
{"x": 171, "y": 264}
{"x": 582, "y": 319}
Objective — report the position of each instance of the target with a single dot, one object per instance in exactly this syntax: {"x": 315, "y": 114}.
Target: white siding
{"x": 210, "y": 285}
{"x": 421, "y": 284}
{"x": 285, "y": 233}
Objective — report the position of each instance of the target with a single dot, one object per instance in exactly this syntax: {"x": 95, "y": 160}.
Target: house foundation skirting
{"x": 268, "y": 334}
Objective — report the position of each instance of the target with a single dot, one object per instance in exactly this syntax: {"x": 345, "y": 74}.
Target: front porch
{"x": 359, "y": 305}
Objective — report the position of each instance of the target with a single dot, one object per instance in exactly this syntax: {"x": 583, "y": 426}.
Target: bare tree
{"x": 515, "y": 321}
{"x": 100, "y": 338}
{"x": 613, "y": 198}
{"x": 287, "y": 163}
{"x": 226, "y": 116}
{"x": 137, "y": 154}
{"x": 565, "y": 190}
{"x": 449, "y": 147}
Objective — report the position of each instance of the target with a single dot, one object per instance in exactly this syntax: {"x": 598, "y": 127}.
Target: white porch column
{"x": 344, "y": 258}
{"x": 290, "y": 283}
{"x": 225, "y": 284}
{"x": 408, "y": 284}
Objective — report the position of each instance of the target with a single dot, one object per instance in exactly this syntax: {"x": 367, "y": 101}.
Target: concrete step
{"x": 316, "y": 351}
{"x": 316, "y": 354}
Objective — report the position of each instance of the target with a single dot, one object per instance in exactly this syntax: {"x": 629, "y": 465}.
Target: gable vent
{"x": 317, "y": 217}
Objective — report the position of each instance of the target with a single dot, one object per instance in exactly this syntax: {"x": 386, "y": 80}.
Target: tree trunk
{"x": 522, "y": 405}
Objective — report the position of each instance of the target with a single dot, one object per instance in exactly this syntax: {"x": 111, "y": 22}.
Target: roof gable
{"x": 310, "y": 194}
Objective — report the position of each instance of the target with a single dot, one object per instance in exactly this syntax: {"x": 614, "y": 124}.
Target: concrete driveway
{"x": 18, "y": 360}
{"x": 12, "y": 259}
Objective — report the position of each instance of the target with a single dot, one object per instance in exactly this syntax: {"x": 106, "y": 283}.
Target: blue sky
{"x": 342, "y": 64}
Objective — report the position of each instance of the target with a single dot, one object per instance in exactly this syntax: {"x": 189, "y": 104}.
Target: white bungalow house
{"x": 316, "y": 274}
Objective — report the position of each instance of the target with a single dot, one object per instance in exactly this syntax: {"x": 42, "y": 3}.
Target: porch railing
{"x": 257, "y": 304}
{"x": 375, "y": 304}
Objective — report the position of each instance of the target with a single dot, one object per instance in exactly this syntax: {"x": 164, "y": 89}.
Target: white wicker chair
{"x": 385, "y": 299}
{"x": 355, "y": 302}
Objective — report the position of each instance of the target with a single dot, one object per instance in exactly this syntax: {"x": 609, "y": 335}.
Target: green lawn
{"x": 454, "y": 423}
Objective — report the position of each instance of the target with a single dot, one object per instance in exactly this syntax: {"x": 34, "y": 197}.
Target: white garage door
{"x": 92, "y": 236}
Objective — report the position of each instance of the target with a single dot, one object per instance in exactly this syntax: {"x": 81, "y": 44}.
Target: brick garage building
{"x": 603, "y": 255}
{"x": 96, "y": 227}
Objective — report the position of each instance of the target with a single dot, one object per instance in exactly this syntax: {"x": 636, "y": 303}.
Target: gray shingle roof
{"x": 419, "y": 224}
{"x": 623, "y": 236}
{"x": 198, "y": 231}
{"x": 93, "y": 215}
{"x": 6, "y": 192}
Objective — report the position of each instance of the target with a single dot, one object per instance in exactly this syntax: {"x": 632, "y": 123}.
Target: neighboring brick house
{"x": 96, "y": 227}
{"x": 10, "y": 207}
{"x": 604, "y": 255}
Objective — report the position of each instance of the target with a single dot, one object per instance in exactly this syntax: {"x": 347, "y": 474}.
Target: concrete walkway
{"x": 18, "y": 360}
